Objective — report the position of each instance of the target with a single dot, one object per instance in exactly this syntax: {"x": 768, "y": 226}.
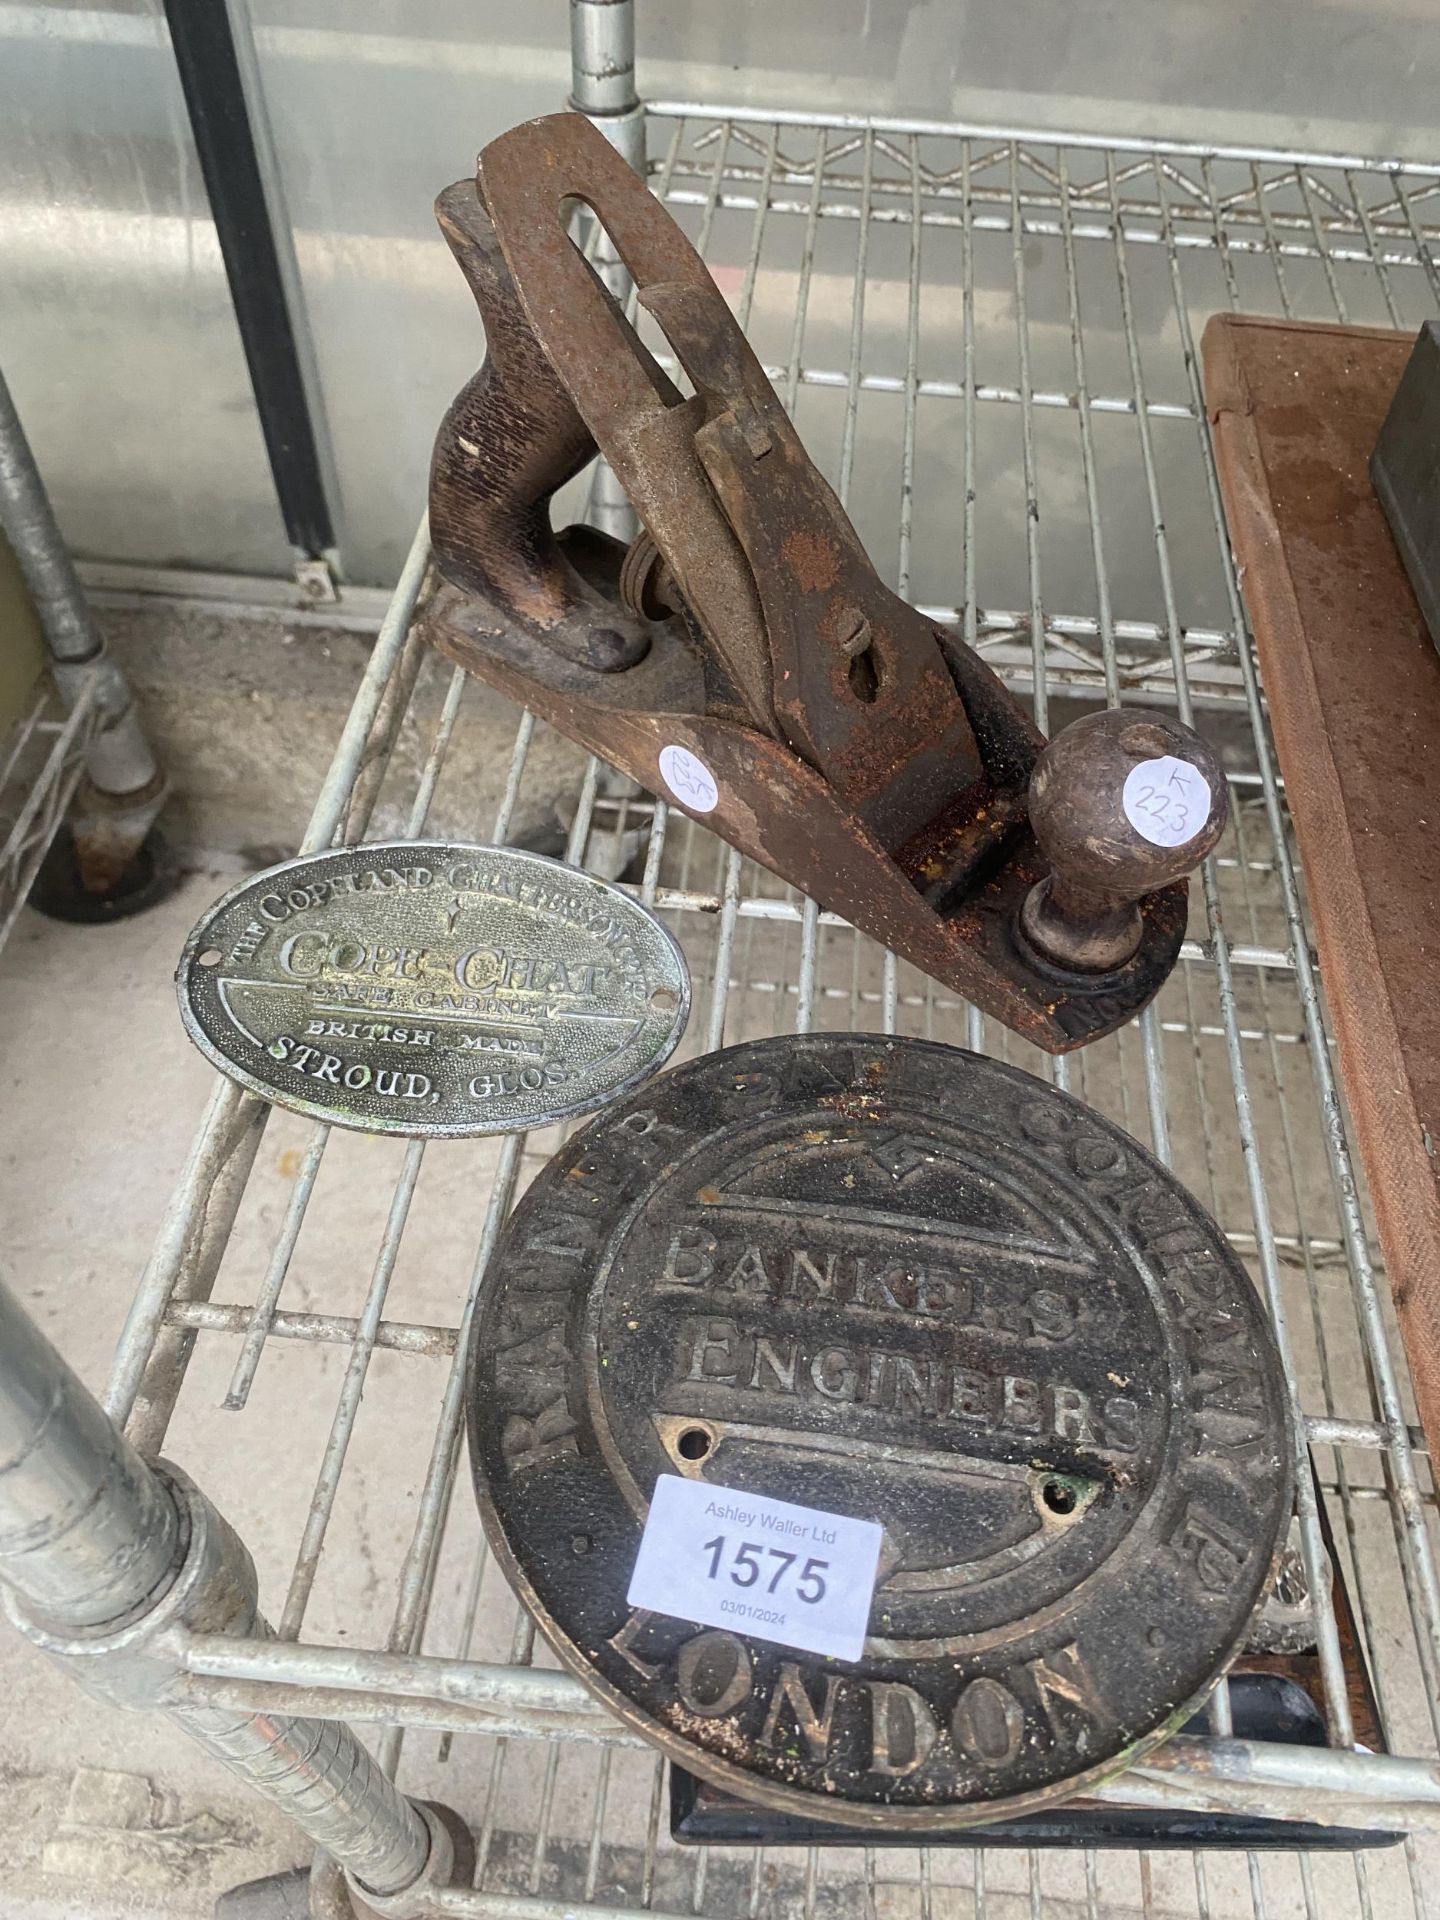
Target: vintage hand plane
{"x": 743, "y": 660}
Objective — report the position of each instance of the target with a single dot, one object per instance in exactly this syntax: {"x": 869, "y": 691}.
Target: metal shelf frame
{"x": 978, "y": 287}
{"x": 42, "y": 761}
{"x": 82, "y": 706}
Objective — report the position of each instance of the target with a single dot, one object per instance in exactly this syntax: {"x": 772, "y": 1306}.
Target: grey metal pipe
{"x": 44, "y": 559}
{"x": 88, "y": 1534}
{"x": 602, "y": 56}
{"x": 602, "y": 87}
{"x": 119, "y": 760}
{"x": 318, "y": 1773}
{"x": 104, "y": 1557}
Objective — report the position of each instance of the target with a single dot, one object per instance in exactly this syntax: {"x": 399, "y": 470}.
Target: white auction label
{"x": 757, "y": 1566}
{"x": 689, "y": 779}
{"x": 1166, "y": 800}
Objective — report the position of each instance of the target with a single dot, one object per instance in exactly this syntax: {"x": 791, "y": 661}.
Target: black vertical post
{"x": 210, "y": 76}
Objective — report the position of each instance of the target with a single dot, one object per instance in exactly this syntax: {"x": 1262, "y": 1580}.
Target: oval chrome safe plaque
{"x": 886, "y": 1280}
{"x": 420, "y": 987}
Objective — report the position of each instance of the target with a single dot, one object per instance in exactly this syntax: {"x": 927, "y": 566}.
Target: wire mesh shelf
{"x": 989, "y": 343}
{"x": 41, "y": 761}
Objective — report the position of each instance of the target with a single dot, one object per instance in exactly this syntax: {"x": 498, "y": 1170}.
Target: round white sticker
{"x": 1167, "y": 800}
{"x": 689, "y": 779}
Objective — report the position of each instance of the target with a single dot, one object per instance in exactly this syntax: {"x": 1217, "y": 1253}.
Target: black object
{"x": 1405, "y": 469}
{"x": 887, "y": 1279}
{"x": 59, "y": 892}
{"x": 215, "y": 101}
{"x": 1265, "y": 1707}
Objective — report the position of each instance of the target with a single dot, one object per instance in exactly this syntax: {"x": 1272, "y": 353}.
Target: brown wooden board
{"x": 1353, "y": 685}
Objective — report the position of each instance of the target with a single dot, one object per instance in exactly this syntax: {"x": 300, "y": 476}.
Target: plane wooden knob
{"x": 1121, "y": 803}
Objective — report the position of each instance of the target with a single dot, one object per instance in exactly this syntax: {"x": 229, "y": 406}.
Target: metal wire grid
{"x": 989, "y": 340}
{"x": 41, "y": 761}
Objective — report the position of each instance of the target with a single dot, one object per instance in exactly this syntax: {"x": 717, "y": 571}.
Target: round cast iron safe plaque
{"x": 888, "y": 1279}
{"x": 420, "y": 987}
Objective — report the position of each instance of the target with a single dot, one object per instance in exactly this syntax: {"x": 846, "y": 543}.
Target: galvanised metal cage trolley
{"x": 1022, "y": 310}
